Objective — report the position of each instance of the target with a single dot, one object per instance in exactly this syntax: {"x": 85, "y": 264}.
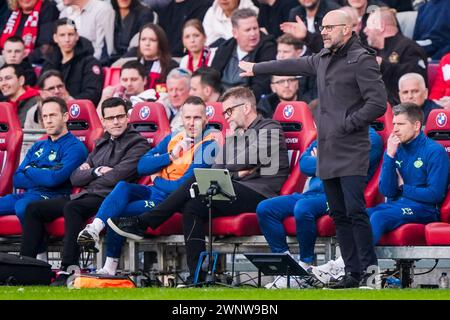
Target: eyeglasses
{"x": 285, "y": 81}
{"x": 229, "y": 111}
{"x": 58, "y": 86}
{"x": 330, "y": 27}
{"x": 119, "y": 117}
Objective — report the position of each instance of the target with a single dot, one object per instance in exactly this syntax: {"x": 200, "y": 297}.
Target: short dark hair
{"x": 134, "y": 64}
{"x": 47, "y": 74}
{"x": 15, "y": 39}
{"x": 240, "y": 14}
{"x": 63, "y": 22}
{"x": 18, "y": 70}
{"x": 62, "y": 104}
{"x": 290, "y": 40}
{"x": 115, "y": 102}
{"x": 412, "y": 111}
{"x": 210, "y": 77}
{"x": 241, "y": 93}
{"x": 195, "y": 100}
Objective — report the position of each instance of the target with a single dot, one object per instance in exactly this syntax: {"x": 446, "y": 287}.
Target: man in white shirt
{"x": 94, "y": 20}
{"x": 217, "y": 21}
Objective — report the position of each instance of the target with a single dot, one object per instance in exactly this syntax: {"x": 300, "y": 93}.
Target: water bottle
{"x": 443, "y": 281}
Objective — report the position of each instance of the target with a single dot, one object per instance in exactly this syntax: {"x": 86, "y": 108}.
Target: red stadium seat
{"x": 150, "y": 119}
{"x": 299, "y": 130}
{"x": 410, "y": 234}
{"x": 432, "y": 70}
{"x": 383, "y": 125}
{"x": 438, "y": 127}
{"x": 10, "y": 226}
{"x": 112, "y": 76}
{"x": 172, "y": 226}
{"x": 84, "y": 122}
{"x": 438, "y": 233}
{"x": 216, "y": 119}
{"x": 11, "y": 136}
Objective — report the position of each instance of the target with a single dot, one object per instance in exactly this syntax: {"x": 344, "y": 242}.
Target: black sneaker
{"x": 346, "y": 282}
{"x": 88, "y": 238}
{"x": 370, "y": 281}
{"x": 61, "y": 279}
{"x": 127, "y": 227}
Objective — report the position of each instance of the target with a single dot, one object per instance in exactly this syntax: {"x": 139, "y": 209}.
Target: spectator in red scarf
{"x": 12, "y": 86}
{"x": 154, "y": 53}
{"x": 194, "y": 39}
{"x": 33, "y": 21}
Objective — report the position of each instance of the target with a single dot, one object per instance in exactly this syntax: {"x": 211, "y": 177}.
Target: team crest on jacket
{"x": 96, "y": 69}
{"x": 394, "y": 57}
{"x": 144, "y": 113}
{"x": 52, "y": 156}
{"x": 288, "y": 111}
{"x": 209, "y": 112}
{"x": 418, "y": 163}
{"x": 441, "y": 119}
{"x": 74, "y": 111}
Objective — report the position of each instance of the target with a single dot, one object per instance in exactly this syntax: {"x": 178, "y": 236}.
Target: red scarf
{"x": 154, "y": 77}
{"x": 30, "y": 28}
{"x": 203, "y": 61}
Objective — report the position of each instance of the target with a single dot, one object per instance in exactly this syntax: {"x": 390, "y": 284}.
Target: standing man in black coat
{"x": 247, "y": 44}
{"x": 74, "y": 58}
{"x": 351, "y": 96}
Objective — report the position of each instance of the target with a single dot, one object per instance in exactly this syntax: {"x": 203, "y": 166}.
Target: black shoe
{"x": 370, "y": 281}
{"x": 61, "y": 279}
{"x": 127, "y": 227}
{"x": 346, "y": 282}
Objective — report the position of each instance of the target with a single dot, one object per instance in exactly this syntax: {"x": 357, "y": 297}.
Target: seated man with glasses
{"x": 51, "y": 84}
{"x": 170, "y": 164}
{"x": 284, "y": 88}
{"x": 114, "y": 159}
{"x": 256, "y": 156}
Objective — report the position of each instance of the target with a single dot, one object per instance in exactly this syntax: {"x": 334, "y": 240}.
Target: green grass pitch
{"x": 213, "y": 293}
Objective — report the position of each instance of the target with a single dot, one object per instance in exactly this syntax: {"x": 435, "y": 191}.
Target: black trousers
{"x": 195, "y": 215}
{"x": 75, "y": 213}
{"x": 345, "y": 197}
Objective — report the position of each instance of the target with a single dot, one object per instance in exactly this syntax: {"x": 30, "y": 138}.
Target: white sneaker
{"x": 102, "y": 271}
{"x": 88, "y": 237}
{"x": 328, "y": 271}
{"x": 280, "y": 282}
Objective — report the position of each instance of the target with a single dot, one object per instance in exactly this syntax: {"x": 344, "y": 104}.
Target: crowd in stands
{"x": 175, "y": 52}
{"x": 82, "y": 38}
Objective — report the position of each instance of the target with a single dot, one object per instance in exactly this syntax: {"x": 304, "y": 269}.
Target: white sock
{"x": 42, "y": 256}
{"x": 111, "y": 265}
{"x": 304, "y": 265}
{"x": 98, "y": 225}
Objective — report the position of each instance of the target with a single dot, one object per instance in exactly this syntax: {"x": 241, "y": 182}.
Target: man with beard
{"x": 351, "y": 96}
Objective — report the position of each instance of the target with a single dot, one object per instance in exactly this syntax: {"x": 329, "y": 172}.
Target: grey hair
{"x": 412, "y": 75}
{"x": 240, "y": 14}
{"x": 180, "y": 73}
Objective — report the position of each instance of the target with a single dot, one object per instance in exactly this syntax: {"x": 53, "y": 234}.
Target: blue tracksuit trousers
{"x": 126, "y": 199}
{"x": 306, "y": 208}
{"x": 388, "y": 216}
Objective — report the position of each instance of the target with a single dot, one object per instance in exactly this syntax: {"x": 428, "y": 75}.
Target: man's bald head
{"x": 336, "y": 28}
{"x": 338, "y": 17}
{"x": 381, "y": 24}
